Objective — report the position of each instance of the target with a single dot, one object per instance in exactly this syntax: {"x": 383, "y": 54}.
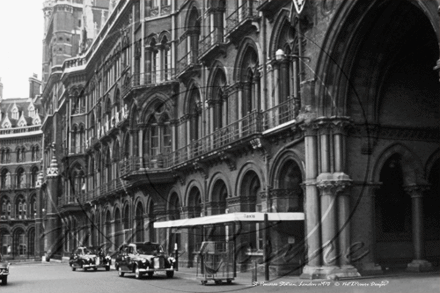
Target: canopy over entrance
{"x": 230, "y": 218}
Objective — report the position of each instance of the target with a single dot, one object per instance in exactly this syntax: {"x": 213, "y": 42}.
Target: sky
{"x": 21, "y": 35}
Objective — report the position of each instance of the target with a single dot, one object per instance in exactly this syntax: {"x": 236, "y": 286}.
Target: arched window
{"x": 74, "y": 138}
{"x": 80, "y": 140}
{"x": 250, "y": 190}
{"x": 165, "y": 54}
{"x": 19, "y": 243}
{"x": 5, "y": 208}
{"x": 151, "y": 220}
{"x": 31, "y": 242}
{"x": 21, "y": 178}
{"x": 159, "y": 134}
{"x": 126, "y": 220}
{"x": 118, "y": 229}
{"x": 3, "y": 157}
{"x": 195, "y": 112}
{"x": 34, "y": 176}
{"x": 6, "y": 179}
{"x": 286, "y": 75}
{"x": 217, "y": 101}
{"x": 19, "y": 154}
{"x": 139, "y": 222}
{"x": 393, "y": 204}
{"x": 6, "y": 242}
{"x": 194, "y": 233}
{"x": 108, "y": 230}
{"x": 33, "y": 207}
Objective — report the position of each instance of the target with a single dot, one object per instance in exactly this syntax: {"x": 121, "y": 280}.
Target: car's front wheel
{"x": 137, "y": 273}
{"x": 5, "y": 280}
{"x": 107, "y": 268}
{"x": 150, "y": 274}
{"x": 170, "y": 274}
{"x": 120, "y": 273}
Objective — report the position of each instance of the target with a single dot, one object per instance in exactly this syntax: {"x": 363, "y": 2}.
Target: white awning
{"x": 229, "y": 218}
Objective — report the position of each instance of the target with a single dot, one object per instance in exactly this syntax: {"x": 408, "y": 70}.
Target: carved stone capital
{"x": 332, "y": 183}
{"x": 416, "y": 190}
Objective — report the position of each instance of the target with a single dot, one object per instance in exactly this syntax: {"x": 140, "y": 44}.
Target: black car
{"x": 83, "y": 258}
{"x": 4, "y": 270}
{"x": 142, "y": 258}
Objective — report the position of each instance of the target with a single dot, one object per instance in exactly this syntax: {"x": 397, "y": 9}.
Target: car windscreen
{"x": 149, "y": 249}
{"x": 87, "y": 251}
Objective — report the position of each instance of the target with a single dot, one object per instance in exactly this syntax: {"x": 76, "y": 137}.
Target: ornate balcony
{"x": 279, "y": 115}
{"x": 212, "y": 44}
{"x": 187, "y": 65}
{"x": 153, "y": 78}
{"x": 227, "y": 136}
{"x": 240, "y": 21}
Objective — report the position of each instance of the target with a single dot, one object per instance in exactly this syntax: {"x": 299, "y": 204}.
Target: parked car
{"x": 143, "y": 258}
{"x": 103, "y": 259}
{"x": 4, "y": 270}
{"x": 83, "y": 258}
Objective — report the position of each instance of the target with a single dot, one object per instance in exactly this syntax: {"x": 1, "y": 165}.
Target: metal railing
{"x": 278, "y": 115}
{"x": 213, "y": 38}
{"x": 246, "y": 11}
{"x": 246, "y": 126}
{"x": 186, "y": 61}
{"x": 153, "y": 78}
{"x": 253, "y": 123}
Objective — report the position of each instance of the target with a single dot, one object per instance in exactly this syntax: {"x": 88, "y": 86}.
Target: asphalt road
{"x": 58, "y": 277}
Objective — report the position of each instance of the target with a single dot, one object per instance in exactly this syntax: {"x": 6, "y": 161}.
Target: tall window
{"x": 21, "y": 178}
{"x": 33, "y": 207}
{"x": 159, "y": 133}
{"x": 20, "y": 243}
{"x": 21, "y": 208}
{"x": 5, "y": 208}
{"x": 195, "y": 115}
{"x": 217, "y": 101}
{"x": 31, "y": 242}
{"x": 34, "y": 176}
{"x": 6, "y": 179}
{"x": 139, "y": 222}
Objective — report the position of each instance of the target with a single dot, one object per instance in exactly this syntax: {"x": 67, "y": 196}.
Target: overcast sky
{"x": 21, "y": 35}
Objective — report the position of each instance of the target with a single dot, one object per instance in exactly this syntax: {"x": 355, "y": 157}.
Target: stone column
{"x": 52, "y": 228}
{"x": 419, "y": 264}
{"x": 368, "y": 264}
{"x": 313, "y": 229}
{"x": 330, "y": 250}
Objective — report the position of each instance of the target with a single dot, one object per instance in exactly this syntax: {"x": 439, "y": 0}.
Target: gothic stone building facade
{"x": 183, "y": 109}
{"x": 20, "y": 166}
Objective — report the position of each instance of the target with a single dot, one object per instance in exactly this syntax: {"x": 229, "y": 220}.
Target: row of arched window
{"x": 19, "y": 244}
{"x": 20, "y": 179}
{"x": 20, "y": 209}
{"x": 21, "y": 154}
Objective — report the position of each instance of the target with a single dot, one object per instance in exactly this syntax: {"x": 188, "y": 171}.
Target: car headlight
{"x": 171, "y": 259}
{"x": 144, "y": 260}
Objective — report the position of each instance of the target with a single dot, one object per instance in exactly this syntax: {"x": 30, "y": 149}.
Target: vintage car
{"x": 4, "y": 270}
{"x": 83, "y": 258}
{"x": 103, "y": 259}
{"x": 143, "y": 258}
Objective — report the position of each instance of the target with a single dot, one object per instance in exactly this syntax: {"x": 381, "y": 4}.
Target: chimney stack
{"x": 34, "y": 86}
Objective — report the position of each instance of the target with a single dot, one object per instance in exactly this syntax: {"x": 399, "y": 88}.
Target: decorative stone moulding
{"x": 52, "y": 171}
